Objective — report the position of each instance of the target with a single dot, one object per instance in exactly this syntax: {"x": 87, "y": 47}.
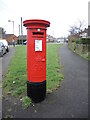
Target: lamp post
{"x": 13, "y": 24}
{"x": 19, "y": 34}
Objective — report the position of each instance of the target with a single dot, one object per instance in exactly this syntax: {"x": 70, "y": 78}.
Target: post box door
{"x": 38, "y": 59}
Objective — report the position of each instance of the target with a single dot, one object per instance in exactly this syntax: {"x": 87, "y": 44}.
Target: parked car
{"x": 25, "y": 43}
{"x": 5, "y": 44}
{"x": 2, "y": 49}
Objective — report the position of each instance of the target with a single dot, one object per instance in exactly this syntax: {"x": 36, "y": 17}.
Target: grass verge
{"x": 16, "y": 78}
{"x": 53, "y": 68}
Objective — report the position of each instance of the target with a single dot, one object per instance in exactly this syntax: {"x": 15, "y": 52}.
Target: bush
{"x": 20, "y": 41}
{"x": 82, "y": 41}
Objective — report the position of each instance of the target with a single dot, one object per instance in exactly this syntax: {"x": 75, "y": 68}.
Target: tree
{"x": 77, "y": 28}
{"x": 72, "y": 30}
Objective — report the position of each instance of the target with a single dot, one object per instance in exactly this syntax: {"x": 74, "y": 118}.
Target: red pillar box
{"x": 36, "y": 58}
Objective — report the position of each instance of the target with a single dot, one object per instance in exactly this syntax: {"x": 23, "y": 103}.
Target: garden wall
{"x": 81, "y": 49}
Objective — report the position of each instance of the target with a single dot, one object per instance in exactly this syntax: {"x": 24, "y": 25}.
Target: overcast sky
{"x": 61, "y": 14}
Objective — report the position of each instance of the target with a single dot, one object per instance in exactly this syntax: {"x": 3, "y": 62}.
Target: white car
{"x": 5, "y": 44}
{"x": 2, "y": 49}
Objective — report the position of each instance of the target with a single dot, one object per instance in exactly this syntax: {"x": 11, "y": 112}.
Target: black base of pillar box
{"x": 36, "y": 91}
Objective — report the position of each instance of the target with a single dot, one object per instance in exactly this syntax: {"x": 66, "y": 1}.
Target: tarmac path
{"x": 69, "y": 101}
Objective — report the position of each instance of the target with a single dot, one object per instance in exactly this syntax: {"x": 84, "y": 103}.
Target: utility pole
{"x": 21, "y": 31}
{"x": 13, "y": 24}
{"x": 19, "y": 34}
{"x": 13, "y": 27}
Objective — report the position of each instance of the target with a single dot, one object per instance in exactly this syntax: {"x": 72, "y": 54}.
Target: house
{"x": 50, "y": 38}
{"x": 82, "y": 34}
{"x": 2, "y": 31}
{"x": 10, "y": 38}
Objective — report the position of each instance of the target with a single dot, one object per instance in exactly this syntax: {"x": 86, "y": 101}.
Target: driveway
{"x": 69, "y": 101}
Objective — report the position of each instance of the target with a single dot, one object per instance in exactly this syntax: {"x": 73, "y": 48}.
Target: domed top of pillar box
{"x": 36, "y": 23}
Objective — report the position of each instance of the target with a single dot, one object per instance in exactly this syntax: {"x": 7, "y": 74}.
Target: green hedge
{"x": 20, "y": 41}
{"x": 82, "y": 41}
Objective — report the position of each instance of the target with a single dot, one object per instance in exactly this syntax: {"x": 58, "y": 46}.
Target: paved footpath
{"x": 69, "y": 101}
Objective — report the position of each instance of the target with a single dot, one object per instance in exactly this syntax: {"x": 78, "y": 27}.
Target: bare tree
{"x": 72, "y": 30}
{"x": 77, "y": 28}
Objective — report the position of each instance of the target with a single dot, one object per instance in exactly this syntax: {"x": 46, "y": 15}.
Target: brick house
{"x": 10, "y": 38}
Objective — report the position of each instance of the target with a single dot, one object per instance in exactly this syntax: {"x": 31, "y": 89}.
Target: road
{"x": 69, "y": 101}
{"x": 6, "y": 60}
{"x": 0, "y": 88}
{"x": 4, "y": 64}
